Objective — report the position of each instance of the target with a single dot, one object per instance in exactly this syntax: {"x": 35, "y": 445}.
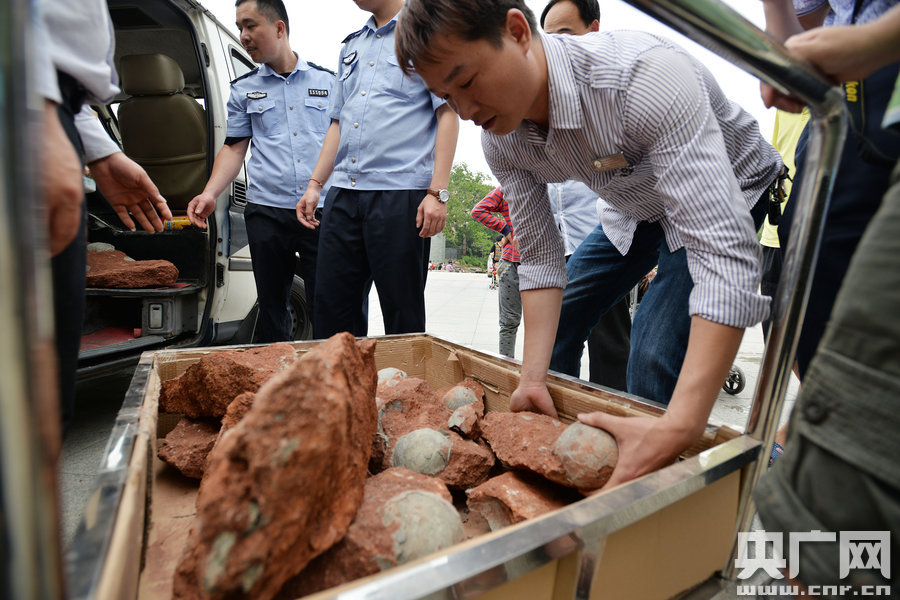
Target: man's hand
{"x": 202, "y": 205}
{"x": 127, "y": 187}
{"x": 431, "y": 216}
{"x": 535, "y": 398}
{"x": 62, "y": 183}
{"x": 645, "y": 443}
{"x": 306, "y": 207}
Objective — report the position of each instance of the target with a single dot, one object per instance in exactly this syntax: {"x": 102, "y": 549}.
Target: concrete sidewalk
{"x": 460, "y": 307}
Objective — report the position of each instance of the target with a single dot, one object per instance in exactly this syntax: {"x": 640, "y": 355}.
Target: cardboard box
{"x": 650, "y": 538}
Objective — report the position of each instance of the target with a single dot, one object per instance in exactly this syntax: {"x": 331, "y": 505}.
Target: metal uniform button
{"x": 356, "y": 124}
{"x": 260, "y": 107}
{"x": 295, "y": 133}
{"x": 363, "y": 93}
{"x": 378, "y": 35}
{"x": 287, "y": 83}
{"x": 291, "y": 107}
{"x": 371, "y": 63}
{"x": 814, "y": 412}
{"x": 353, "y": 160}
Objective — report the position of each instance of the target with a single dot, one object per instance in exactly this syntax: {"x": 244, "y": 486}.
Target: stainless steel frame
{"x": 579, "y": 531}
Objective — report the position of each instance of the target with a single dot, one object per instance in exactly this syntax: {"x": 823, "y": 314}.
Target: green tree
{"x": 467, "y": 188}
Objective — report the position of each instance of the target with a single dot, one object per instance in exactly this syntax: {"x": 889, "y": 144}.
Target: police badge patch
{"x": 257, "y": 95}
{"x": 350, "y": 58}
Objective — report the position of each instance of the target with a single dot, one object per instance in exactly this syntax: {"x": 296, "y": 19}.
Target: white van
{"x": 175, "y": 134}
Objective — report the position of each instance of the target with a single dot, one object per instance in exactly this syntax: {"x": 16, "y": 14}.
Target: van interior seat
{"x": 163, "y": 129}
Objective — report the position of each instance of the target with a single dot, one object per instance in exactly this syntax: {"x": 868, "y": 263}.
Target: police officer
{"x": 390, "y": 146}
{"x": 281, "y": 108}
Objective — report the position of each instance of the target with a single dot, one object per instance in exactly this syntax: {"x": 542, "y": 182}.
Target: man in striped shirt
{"x": 508, "y": 272}
{"x": 679, "y": 168}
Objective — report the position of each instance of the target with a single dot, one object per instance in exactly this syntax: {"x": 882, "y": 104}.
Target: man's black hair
{"x": 588, "y": 10}
{"x": 274, "y": 10}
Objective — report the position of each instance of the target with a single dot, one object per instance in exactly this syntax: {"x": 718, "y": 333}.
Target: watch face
{"x": 444, "y": 196}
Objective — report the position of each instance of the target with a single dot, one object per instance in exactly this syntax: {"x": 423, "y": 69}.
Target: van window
{"x": 241, "y": 64}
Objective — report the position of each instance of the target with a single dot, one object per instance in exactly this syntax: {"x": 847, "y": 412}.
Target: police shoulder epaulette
{"x": 352, "y": 35}
{"x": 245, "y": 75}
{"x": 320, "y": 68}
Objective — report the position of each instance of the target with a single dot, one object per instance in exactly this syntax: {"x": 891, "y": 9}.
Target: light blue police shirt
{"x": 574, "y": 207}
{"x": 286, "y": 119}
{"x": 388, "y": 123}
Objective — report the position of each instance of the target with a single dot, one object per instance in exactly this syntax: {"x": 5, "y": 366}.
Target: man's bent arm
{"x": 540, "y": 310}
{"x": 226, "y": 167}
{"x": 649, "y": 443}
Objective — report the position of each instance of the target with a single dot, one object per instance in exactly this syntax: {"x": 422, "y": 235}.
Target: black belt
{"x": 73, "y": 93}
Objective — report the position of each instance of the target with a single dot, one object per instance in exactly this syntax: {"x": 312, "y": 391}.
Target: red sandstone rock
{"x": 208, "y": 386}
{"x": 285, "y": 483}
{"x": 237, "y": 410}
{"x": 466, "y": 401}
{"x": 188, "y": 444}
{"x": 576, "y": 456}
{"x": 371, "y": 544}
{"x": 525, "y": 440}
{"x": 470, "y": 463}
{"x": 466, "y": 421}
{"x": 513, "y": 497}
{"x": 110, "y": 268}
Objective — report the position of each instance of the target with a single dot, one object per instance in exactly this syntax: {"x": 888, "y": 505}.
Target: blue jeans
{"x": 599, "y": 277}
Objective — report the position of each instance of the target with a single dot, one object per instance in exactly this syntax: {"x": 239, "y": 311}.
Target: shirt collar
{"x": 565, "y": 103}
{"x": 301, "y": 65}
{"x": 387, "y": 27}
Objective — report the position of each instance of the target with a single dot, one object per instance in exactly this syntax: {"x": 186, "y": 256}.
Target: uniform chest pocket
{"x": 317, "y": 114}
{"x": 264, "y": 117}
{"x": 393, "y": 80}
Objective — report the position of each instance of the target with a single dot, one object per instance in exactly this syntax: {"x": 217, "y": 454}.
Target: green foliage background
{"x": 473, "y": 239}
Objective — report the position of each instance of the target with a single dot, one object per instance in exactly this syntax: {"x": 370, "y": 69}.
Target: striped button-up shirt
{"x": 646, "y": 127}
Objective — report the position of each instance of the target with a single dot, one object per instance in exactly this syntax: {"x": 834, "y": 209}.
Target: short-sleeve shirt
{"x": 694, "y": 162}
{"x": 575, "y": 209}
{"x": 388, "y": 122}
{"x": 286, "y": 119}
{"x": 842, "y": 10}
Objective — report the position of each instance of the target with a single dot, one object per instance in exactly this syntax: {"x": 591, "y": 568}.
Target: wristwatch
{"x": 442, "y": 195}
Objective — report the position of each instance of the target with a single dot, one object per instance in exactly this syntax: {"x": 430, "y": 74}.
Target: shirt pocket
{"x": 317, "y": 114}
{"x": 264, "y": 117}
{"x": 394, "y": 81}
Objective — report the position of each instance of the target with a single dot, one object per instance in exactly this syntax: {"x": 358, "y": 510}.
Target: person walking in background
{"x": 510, "y": 302}
{"x": 280, "y": 110}
{"x": 388, "y": 152}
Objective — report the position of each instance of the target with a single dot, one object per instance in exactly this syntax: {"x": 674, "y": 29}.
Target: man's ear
{"x": 280, "y": 29}
{"x": 517, "y": 27}
{"x": 594, "y": 26}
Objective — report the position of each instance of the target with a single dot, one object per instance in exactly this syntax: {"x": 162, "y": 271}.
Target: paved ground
{"x": 460, "y": 307}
